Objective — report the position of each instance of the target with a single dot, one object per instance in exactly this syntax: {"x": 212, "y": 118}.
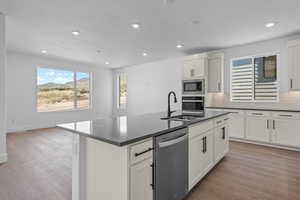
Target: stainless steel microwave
{"x": 193, "y": 87}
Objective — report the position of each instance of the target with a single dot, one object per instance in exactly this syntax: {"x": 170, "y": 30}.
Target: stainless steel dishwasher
{"x": 171, "y": 165}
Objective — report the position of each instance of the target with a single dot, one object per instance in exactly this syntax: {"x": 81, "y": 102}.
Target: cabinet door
{"x": 286, "y": 132}
{"x": 141, "y": 180}
{"x": 207, "y": 151}
{"x": 215, "y": 73}
{"x": 221, "y": 142}
{"x": 294, "y": 66}
{"x": 237, "y": 125}
{"x": 258, "y": 129}
{"x": 194, "y": 68}
{"x": 195, "y": 160}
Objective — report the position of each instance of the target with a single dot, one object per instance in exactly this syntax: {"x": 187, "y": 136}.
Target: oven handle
{"x": 172, "y": 142}
{"x": 192, "y": 101}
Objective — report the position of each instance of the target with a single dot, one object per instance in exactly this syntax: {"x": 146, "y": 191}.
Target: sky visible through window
{"x": 46, "y": 75}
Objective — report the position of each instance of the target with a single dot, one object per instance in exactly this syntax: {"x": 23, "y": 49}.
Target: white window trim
{"x": 253, "y": 84}
{"x": 74, "y": 89}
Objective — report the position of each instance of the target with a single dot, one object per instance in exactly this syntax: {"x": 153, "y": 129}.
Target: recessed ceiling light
{"x": 44, "y": 51}
{"x": 76, "y": 33}
{"x": 135, "y": 25}
{"x": 270, "y": 24}
{"x": 179, "y": 46}
{"x": 145, "y": 54}
{"x": 98, "y": 51}
{"x": 196, "y": 22}
{"x": 107, "y": 63}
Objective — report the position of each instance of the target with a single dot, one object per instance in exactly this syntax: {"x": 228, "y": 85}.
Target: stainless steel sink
{"x": 186, "y": 118}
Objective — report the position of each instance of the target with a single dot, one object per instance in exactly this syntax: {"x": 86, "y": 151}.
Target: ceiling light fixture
{"x": 270, "y": 24}
{"x": 107, "y": 63}
{"x": 44, "y": 51}
{"x": 76, "y": 33}
{"x": 135, "y": 25}
{"x": 179, "y": 46}
{"x": 145, "y": 54}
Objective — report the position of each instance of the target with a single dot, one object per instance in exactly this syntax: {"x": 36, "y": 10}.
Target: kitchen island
{"x": 113, "y": 157}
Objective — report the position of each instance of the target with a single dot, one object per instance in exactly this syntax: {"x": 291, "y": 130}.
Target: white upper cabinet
{"x": 194, "y": 66}
{"x": 215, "y": 67}
{"x": 294, "y": 64}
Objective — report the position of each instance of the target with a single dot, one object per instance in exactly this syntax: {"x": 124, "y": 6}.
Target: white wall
{"x": 149, "y": 85}
{"x": 3, "y": 155}
{"x": 21, "y": 92}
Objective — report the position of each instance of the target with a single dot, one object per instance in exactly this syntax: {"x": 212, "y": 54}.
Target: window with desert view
{"x": 59, "y": 90}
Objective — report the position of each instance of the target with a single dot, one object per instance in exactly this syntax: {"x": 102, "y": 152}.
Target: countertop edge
{"x": 261, "y": 109}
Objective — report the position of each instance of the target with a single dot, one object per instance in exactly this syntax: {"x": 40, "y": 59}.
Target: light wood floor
{"x": 39, "y": 168}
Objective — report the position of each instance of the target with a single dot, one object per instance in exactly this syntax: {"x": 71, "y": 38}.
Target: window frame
{"x": 123, "y": 106}
{"x": 253, "y": 84}
{"x": 75, "y": 90}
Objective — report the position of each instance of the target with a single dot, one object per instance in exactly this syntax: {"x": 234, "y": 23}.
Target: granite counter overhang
{"x": 258, "y": 109}
{"x": 125, "y": 130}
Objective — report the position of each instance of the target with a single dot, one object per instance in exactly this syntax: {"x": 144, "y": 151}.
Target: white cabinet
{"x": 221, "y": 138}
{"x": 141, "y": 169}
{"x": 294, "y": 64}
{"x": 258, "y": 128}
{"x": 141, "y": 180}
{"x": 215, "y": 67}
{"x": 237, "y": 124}
{"x": 194, "y": 67}
{"x": 200, "y": 157}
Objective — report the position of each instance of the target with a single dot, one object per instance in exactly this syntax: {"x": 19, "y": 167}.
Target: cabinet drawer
{"x": 221, "y": 120}
{"x": 286, "y": 115}
{"x": 259, "y": 113}
{"x": 141, "y": 151}
{"x": 200, "y": 128}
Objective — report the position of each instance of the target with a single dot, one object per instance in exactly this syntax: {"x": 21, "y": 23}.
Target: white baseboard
{"x": 265, "y": 144}
{"x": 3, "y": 158}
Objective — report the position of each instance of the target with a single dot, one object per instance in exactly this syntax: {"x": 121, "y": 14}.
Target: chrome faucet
{"x": 175, "y": 101}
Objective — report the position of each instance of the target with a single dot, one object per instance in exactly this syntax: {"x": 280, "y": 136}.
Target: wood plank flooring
{"x": 39, "y": 167}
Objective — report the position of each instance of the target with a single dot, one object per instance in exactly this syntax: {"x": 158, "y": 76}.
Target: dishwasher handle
{"x": 172, "y": 142}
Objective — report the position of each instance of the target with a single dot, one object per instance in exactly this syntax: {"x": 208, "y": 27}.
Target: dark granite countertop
{"x": 261, "y": 109}
{"x": 125, "y": 130}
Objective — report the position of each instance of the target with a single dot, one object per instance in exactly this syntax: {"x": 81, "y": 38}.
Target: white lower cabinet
{"x": 237, "y": 124}
{"x": 201, "y": 157}
{"x": 286, "y": 132}
{"x": 208, "y": 144}
{"x": 221, "y": 138}
{"x": 257, "y": 129}
{"x": 141, "y": 180}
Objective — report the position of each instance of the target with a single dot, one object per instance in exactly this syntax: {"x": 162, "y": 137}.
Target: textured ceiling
{"x": 34, "y": 25}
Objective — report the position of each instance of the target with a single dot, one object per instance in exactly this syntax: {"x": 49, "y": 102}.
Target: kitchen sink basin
{"x": 181, "y": 118}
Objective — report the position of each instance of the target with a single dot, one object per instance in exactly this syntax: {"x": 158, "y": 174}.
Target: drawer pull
{"x": 143, "y": 152}
{"x": 257, "y": 114}
{"x": 152, "y": 184}
{"x": 226, "y": 119}
{"x": 286, "y": 115}
{"x": 218, "y": 122}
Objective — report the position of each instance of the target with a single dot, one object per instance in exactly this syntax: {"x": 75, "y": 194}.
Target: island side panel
{"x": 104, "y": 171}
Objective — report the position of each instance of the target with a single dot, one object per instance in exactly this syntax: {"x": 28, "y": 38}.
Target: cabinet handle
{"x": 257, "y": 113}
{"x": 143, "y": 152}
{"x": 192, "y": 71}
{"x": 226, "y": 119}
{"x": 286, "y": 115}
{"x": 152, "y": 184}
{"x": 218, "y": 122}
{"x": 274, "y": 125}
{"x": 291, "y": 82}
{"x": 268, "y": 124}
{"x": 219, "y": 87}
{"x": 223, "y": 133}
{"x": 204, "y": 140}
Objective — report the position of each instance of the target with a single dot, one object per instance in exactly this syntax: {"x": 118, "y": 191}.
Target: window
{"x": 254, "y": 79}
{"x": 59, "y": 90}
{"x": 122, "y": 91}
